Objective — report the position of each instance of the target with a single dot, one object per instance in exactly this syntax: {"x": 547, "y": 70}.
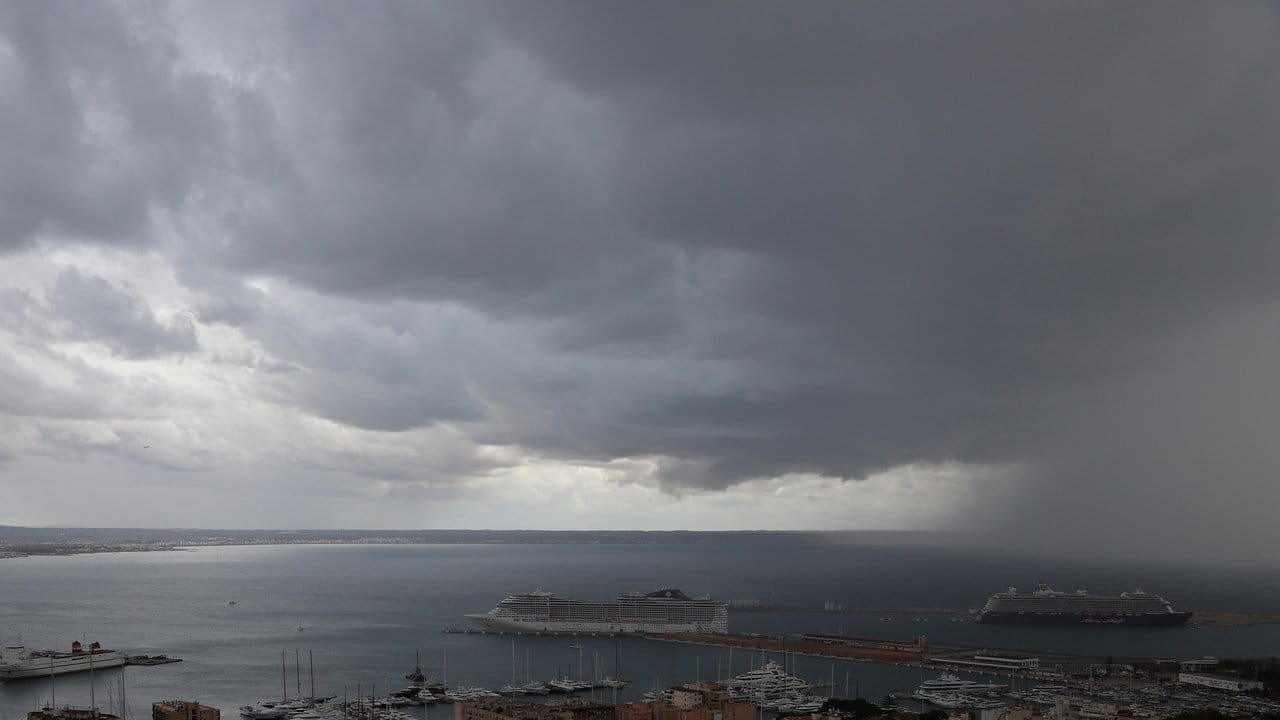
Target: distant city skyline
{"x": 993, "y": 267}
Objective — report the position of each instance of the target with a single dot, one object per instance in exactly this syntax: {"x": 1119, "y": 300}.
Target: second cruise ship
{"x": 1044, "y": 606}
{"x": 662, "y": 611}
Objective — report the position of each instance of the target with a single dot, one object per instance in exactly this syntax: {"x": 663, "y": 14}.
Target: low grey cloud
{"x": 84, "y": 307}
{"x": 832, "y": 239}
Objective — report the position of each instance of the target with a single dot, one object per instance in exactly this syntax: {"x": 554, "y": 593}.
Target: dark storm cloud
{"x": 834, "y": 239}
{"x": 100, "y": 125}
{"x": 748, "y": 240}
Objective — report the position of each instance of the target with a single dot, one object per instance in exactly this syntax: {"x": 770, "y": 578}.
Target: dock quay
{"x": 492, "y": 631}
{"x": 150, "y": 660}
{"x": 895, "y": 652}
{"x": 1049, "y": 666}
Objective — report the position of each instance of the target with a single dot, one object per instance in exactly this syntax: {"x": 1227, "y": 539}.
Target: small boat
{"x": 259, "y": 712}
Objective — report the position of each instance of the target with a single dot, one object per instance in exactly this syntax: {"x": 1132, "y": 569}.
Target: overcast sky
{"x": 1008, "y": 266}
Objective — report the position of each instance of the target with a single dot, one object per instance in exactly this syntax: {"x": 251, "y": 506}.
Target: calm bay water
{"x": 363, "y": 610}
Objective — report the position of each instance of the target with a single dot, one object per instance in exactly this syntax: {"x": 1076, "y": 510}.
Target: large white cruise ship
{"x": 18, "y": 662}
{"x": 1046, "y": 606}
{"x": 663, "y": 611}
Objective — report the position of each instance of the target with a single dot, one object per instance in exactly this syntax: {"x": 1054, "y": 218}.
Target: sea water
{"x": 359, "y": 613}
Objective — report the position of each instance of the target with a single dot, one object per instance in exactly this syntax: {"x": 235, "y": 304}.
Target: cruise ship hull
{"x": 1027, "y": 618}
{"x": 667, "y": 610}
{"x": 60, "y": 665}
{"x": 578, "y": 627}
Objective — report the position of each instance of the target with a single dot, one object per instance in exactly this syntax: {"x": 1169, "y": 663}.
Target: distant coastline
{"x": 18, "y": 541}
{"x": 9, "y": 552}
{"x": 1205, "y": 618}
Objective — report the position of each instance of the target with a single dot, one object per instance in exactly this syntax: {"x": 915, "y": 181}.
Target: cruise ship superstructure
{"x": 663, "y": 611}
{"x": 1045, "y": 606}
{"x": 17, "y": 661}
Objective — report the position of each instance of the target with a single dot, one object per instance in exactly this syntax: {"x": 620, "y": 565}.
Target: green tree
{"x": 858, "y": 709}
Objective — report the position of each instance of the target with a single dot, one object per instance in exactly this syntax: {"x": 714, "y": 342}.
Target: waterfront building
{"x": 1218, "y": 682}
{"x": 183, "y": 710}
{"x": 1004, "y": 663}
{"x": 506, "y": 709}
{"x": 704, "y": 694}
{"x": 671, "y": 710}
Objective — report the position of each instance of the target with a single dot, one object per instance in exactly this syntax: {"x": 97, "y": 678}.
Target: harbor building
{"x": 1217, "y": 682}
{"x": 683, "y": 706}
{"x": 991, "y": 661}
{"x": 504, "y": 709}
{"x": 183, "y": 710}
{"x": 708, "y": 696}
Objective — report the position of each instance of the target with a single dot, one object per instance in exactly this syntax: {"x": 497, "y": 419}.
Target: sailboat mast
{"x": 297, "y": 672}
{"x": 311, "y": 661}
{"x": 284, "y": 683}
